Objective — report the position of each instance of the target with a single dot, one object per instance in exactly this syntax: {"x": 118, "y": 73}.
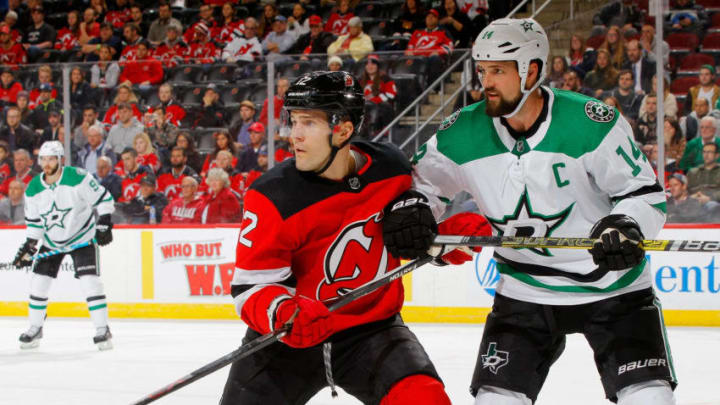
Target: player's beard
{"x": 51, "y": 171}
{"x": 502, "y": 106}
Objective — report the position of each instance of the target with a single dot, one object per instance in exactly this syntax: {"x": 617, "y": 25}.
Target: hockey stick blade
{"x": 706, "y": 246}
{"x": 53, "y": 252}
{"x": 270, "y": 338}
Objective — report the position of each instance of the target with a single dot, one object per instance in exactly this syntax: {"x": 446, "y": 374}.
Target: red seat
{"x": 682, "y": 41}
{"x": 692, "y": 62}
{"x": 681, "y": 85}
{"x": 715, "y": 21}
{"x": 595, "y": 42}
{"x": 711, "y": 41}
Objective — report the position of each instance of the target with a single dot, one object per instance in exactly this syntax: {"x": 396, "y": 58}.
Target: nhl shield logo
{"x": 599, "y": 112}
{"x": 447, "y": 122}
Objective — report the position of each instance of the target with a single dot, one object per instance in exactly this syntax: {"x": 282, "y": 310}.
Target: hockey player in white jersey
{"x": 547, "y": 162}
{"x": 59, "y": 204}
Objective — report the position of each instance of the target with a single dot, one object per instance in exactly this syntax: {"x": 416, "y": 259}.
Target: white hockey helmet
{"x": 520, "y": 40}
{"x": 52, "y": 148}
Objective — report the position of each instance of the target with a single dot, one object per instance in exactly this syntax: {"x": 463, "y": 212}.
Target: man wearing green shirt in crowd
{"x": 704, "y": 181}
{"x": 693, "y": 155}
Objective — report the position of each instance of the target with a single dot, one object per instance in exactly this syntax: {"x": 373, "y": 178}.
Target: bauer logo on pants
{"x": 494, "y": 359}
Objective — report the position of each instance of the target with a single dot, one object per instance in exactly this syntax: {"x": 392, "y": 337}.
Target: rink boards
{"x": 185, "y": 273}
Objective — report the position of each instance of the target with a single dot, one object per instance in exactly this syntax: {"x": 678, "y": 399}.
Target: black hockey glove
{"x": 618, "y": 247}
{"x": 409, "y": 226}
{"x": 103, "y": 234}
{"x": 24, "y": 255}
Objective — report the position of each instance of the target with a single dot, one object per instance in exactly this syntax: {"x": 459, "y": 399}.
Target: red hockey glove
{"x": 312, "y": 322}
{"x": 466, "y": 224}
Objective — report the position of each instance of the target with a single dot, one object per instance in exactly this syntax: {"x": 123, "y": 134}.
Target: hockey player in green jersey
{"x": 547, "y": 162}
{"x": 59, "y": 204}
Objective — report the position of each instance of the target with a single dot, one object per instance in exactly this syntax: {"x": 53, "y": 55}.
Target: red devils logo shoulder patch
{"x": 356, "y": 256}
{"x": 349, "y": 81}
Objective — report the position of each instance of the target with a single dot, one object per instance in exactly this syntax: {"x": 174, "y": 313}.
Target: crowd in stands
{"x": 169, "y": 99}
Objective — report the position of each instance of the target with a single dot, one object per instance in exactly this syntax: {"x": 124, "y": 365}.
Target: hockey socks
{"x": 97, "y": 303}
{"x": 39, "y": 288}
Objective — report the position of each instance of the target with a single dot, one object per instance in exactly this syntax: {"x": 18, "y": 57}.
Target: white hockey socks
{"x": 488, "y": 395}
{"x": 656, "y": 392}
{"x": 97, "y": 304}
{"x": 39, "y": 288}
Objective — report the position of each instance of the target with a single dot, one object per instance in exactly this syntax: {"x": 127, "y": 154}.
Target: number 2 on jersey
{"x": 249, "y": 227}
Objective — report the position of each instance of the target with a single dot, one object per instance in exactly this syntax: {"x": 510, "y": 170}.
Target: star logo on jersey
{"x": 599, "y": 112}
{"x": 495, "y": 359}
{"x": 527, "y": 26}
{"x": 55, "y": 217}
{"x": 526, "y": 222}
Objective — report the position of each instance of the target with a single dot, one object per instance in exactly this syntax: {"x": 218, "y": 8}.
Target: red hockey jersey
{"x": 66, "y": 40}
{"x": 169, "y": 184}
{"x": 225, "y": 32}
{"x": 174, "y": 113}
{"x": 111, "y": 117}
{"x": 424, "y": 42}
{"x": 202, "y": 53}
{"x": 138, "y": 71}
{"x": 9, "y": 95}
{"x": 131, "y": 184}
{"x": 338, "y": 24}
{"x": 170, "y": 56}
{"x": 319, "y": 238}
{"x": 118, "y": 18}
{"x": 180, "y": 212}
{"x": 386, "y": 92}
{"x": 13, "y": 56}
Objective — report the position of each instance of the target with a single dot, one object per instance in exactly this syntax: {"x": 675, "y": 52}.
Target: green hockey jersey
{"x": 61, "y": 213}
{"x": 578, "y": 167}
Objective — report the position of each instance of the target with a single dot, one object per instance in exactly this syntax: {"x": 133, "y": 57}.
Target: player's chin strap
{"x": 526, "y": 94}
{"x": 333, "y": 149}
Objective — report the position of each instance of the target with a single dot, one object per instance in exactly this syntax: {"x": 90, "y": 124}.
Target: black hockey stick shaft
{"x": 270, "y": 338}
{"x": 573, "y": 243}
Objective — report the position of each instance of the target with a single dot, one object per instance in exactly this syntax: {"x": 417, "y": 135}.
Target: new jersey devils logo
{"x": 356, "y": 257}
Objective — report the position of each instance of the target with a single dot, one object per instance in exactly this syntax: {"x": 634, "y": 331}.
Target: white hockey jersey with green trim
{"x": 61, "y": 213}
{"x": 579, "y": 166}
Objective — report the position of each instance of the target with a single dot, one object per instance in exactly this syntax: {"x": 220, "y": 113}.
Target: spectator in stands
{"x": 174, "y": 112}
{"x": 12, "y": 209}
{"x": 681, "y": 208}
{"x": 89, "y": 118}
{"x": 244, "y": 47}
{"x": 281, "y": 87}
{"x": 615, "y": 44}
{"x": 338, "y": 22}
{"x": 669, "y": 103}
{"x": 144, "y": 71}
{"x": 89, "y": 27}
{"x": 240, "y": 124}
{"x": 40, "y": 36}
{"x": 22, "y": 166}
{"x": 119, "y": 15}
{"x": 266, "y": 20}
{"x": 212, "y": 113}
{"x": 101, "y": 9}
{"x": 5, "y": 161}
{"x": 572, "y": 82}
{"x": 315, "y": 41}
{"x": 146, "y": 155}
{"x": 685, "y": 15}
{"x": 704, "y": 181}
{"x": 172, "y": 50}
{"x": 68, "y": 38}
{"x": 643, "y": 69}
{"x": 94, "y": 148}
{"x": 131, "y": 173}
{"x": 224, "y": 160}
{"x": 148, "y": 204}
{"x": 298, "y": 23}
{"x": 248, "y": 157}
{"x": 222, "y": 142}
{"x": 379, "y": 90}
{"x": 122, "y": 134}
{"x": 456, "y": 23}
{"x": 107, "y": 178}
{"x": 674, "y": 142}
{"x": 136, "y": 17}
{"x": 205, "y": 16}
{"x": 432, "y": 42}
{"x": 21, "y": 10}
{"x": 691, "y": 122}
{"x": 12, "y": 53}
{"x": 355, "y": 43}
{"x": 23, "y": 105}
{"x": 229, "y": 25}
{"x": 278, "y": 41}
{"x": 81, "y": 93}
{"x": 706, "y": 88}
{"x": 124, "y": 95}
{"x": 44, "y": 77}
{"x": 646, "y": 129}
{"x": 613, "y": 102}
{"x": 187, "y": 207}
{"x": 647, "y": 40}
{"x": 185, "y": 141}
{"x": 50, "y": 132}
{"x": 256, "y": 172}
{"x": 93, "y": 48}
{"x": 623, "y": 13}
{"x": 44, "y": 104}
{"x": 132, "y": 35}
{"x": 221, "y": 204}
{"x": 171, "y": 176}
{"x": 625, "y": 95}
{"x": 10, "y": 20}
{"x": 693, "y": 155}
{"x": 15, "y": 133}
{"x": 104, "y": 74}
{"x": 579, "y": 55}
{"x": 162, "y": 132}
{"x": 9, "y": 88}
{"x": 334, "y": 63}
{"x": 556, "y": 75}
{"x": 412, "y": 18}
{"x": 202, "y": 50}
{"x": 158, "y": 28}
{"x": 603, "y": 77}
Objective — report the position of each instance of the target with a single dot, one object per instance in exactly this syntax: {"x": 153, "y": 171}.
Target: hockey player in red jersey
{"x": 312, "y": 231}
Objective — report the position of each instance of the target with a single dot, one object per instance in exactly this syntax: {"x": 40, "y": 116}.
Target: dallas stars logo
{"x": 527, "y": 26}
{"x": 494, "y": 359}
{"x": 526, "y": 222}
{"x": 55, "y": 217}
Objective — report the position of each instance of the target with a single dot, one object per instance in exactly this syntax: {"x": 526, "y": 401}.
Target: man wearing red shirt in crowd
{"x": 132, "y": 174}
{"x": 9, "y": 87}
{"x": 173, "y": 49}
{"x": 174, "y": 112}
{"x": 432, "y": 42}
{"x": 131, "y": 32}
{"x": 120, "y": 15}
{"x": 11, "y": 53}
{"x": 170, "y": 178}
{"x": 89, "y": 27}
{"x": 202, "y": 49}
{"x": 22, "y": 163}
{"x": 144, "y": 70}
{"x": 206, "y": 17}
{"x": 222, "y": 206}
{"x": 337, "y": 24}
{"x": 282, "y": 86}
{"x": 186, "y": 208}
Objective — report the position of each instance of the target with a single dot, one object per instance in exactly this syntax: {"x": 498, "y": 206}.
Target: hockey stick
{"x": 270, "y": 338}
{"x": 572, "y": 243}
{"x": 53, "y": 252}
